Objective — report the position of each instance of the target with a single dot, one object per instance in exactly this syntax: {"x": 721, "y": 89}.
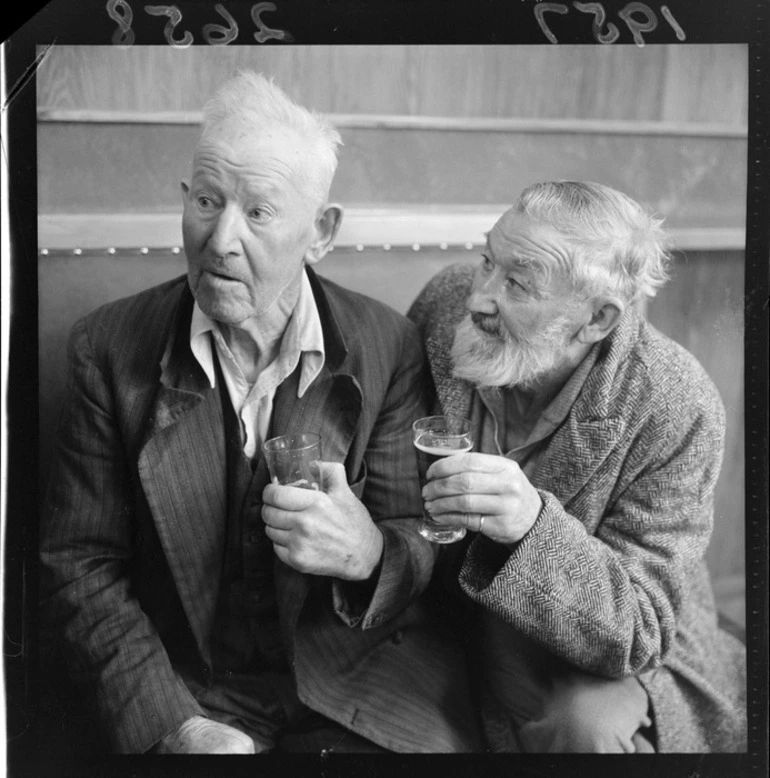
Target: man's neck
{"x": 528, "y": 402}
{"x": 257, "y": 341}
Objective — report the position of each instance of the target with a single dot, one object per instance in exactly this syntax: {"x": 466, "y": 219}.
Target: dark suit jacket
{"x": 132, "y": 532}
{"x": 612, "y": 576}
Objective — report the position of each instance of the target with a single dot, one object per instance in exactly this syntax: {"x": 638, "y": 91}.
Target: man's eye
{"x": 512, "y": 284}
{"x": 259, "y": 214}
{"x": 204, "y": 202}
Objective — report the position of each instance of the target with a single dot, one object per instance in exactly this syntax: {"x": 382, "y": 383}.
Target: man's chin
{"x": 221, "y": 310}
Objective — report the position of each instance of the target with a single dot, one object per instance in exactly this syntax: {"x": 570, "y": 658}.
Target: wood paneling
{"x": 438, "y": 226}
{"x": 693, "y": 181}
{"x": 703, "y": 83}
{"x": 702, "y": 308}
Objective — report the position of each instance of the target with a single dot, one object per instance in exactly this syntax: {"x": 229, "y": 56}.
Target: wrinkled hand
{"x": 200, "y": 735}
{"x": 464, "y": 487}
{"x": 323, "y": 533}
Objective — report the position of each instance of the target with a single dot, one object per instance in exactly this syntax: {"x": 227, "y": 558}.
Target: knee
{"x": 591, "y": 716}
{"x": 566, "y": 731}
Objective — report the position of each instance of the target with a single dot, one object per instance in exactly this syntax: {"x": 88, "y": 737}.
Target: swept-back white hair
{"x": 617, "y": 246}
{"x": 255, "y": 100}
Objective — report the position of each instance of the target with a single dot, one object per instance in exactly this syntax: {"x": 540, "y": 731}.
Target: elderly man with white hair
{"x": 197, "y": 607}
{"x": 589, "y": 495}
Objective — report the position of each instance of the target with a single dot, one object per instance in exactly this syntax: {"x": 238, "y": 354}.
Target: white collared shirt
{"x": 302, "y": 340}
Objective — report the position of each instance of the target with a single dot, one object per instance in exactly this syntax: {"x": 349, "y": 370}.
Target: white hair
{"x": 255, "y": 100}
{"x": 617, "y": 246}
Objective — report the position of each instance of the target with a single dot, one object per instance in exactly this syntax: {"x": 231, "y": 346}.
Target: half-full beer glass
{"x": 435, "y": 437}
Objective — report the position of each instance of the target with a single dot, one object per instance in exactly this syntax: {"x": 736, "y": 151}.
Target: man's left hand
{"x": 464, "y": 487}
{"x": 324, "y": 533}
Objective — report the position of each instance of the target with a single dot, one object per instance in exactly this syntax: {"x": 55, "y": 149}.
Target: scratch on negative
{"x": 27, "y": 75}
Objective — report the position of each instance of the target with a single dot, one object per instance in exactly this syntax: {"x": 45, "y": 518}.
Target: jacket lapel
{"x": 331, "y": 407}
{"x": 594, "y": 425}
{"x": 182, "y": 467}
{"x": 454, "y": 395}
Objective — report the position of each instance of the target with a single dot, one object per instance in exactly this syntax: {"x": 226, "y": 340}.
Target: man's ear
{"x": 606, "y": 315}
{"x": 327, "y": 225}
{"x": 185, "y": 190}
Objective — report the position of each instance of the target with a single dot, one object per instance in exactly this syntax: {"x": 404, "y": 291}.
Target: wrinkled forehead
{"x": 232, "y": 128}
{"x": 518, "y": 241}
{"x": 257, "y": 156}
{"x": 251, "y": 141}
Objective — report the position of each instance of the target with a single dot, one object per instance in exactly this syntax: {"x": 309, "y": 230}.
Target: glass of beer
{"x": 295, "y": 460}
{"x": 435, "y": 437}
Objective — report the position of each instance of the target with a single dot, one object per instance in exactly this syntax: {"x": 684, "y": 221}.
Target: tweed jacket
{"x": 132, "y": 530}
{"x": 611, "y": 578}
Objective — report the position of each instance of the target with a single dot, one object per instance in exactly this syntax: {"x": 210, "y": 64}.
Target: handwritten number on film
{"x": 630, "y": 14}
{"x": 214, "y": 34}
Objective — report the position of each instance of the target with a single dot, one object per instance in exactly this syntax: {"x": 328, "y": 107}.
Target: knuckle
{"x": 466, "y": 503}
{"x": 465, "y": 481}
{"x": 297, "y": 559}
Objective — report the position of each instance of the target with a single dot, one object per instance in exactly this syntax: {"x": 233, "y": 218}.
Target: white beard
{"x": 498, "y": 360}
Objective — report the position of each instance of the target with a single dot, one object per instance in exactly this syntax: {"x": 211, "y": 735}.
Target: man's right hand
{"x": 200, "y": 735}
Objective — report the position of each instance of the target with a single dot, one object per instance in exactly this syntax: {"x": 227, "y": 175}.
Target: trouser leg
{"x": 582, "y": 713}
{"x": 267, "y": 709}
{"x": 532, "y": 701}
{"x": 317, "y": 734}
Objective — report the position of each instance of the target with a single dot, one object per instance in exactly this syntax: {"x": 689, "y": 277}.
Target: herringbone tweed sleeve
{"x": 604, "y": 575}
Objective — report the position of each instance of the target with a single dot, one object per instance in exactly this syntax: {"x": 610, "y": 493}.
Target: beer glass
{"x": 435, "y": 437}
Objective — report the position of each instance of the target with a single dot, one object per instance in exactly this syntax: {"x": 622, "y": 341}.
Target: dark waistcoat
{"x": 246, "y": 635}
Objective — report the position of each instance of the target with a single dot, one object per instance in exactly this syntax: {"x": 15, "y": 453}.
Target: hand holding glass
{"x": 435, "y": 437}
{"x": 295, "y": 460}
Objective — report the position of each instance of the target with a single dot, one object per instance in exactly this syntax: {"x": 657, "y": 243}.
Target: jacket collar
{"x": 334, "y": 341}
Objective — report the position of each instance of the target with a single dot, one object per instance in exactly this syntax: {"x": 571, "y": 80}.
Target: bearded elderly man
{"x": 590, "y": 495}
{"x": 198, "y": 608}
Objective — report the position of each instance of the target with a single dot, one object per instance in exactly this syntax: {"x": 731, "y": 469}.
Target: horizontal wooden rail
{"x": 414, "y": 227}
{"x": 446, "y": 123}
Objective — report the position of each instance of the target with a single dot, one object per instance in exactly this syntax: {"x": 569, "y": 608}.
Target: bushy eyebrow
{"x": 537, "y": 275}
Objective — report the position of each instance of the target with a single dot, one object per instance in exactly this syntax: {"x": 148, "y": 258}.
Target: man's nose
{"x": 483, "y": 296}
{"x": 225, "y": 239}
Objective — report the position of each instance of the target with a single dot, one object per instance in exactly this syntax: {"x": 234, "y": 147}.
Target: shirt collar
{"x": 556, "y": 411}
{"x": 302, "y": 339}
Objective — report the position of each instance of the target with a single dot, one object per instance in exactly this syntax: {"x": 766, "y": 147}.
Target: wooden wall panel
{"x": 702, "y": 308}
{"x": 706, "y": 84}
{"x": 690, "y": 180}
{"x": 688, "y": 83}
